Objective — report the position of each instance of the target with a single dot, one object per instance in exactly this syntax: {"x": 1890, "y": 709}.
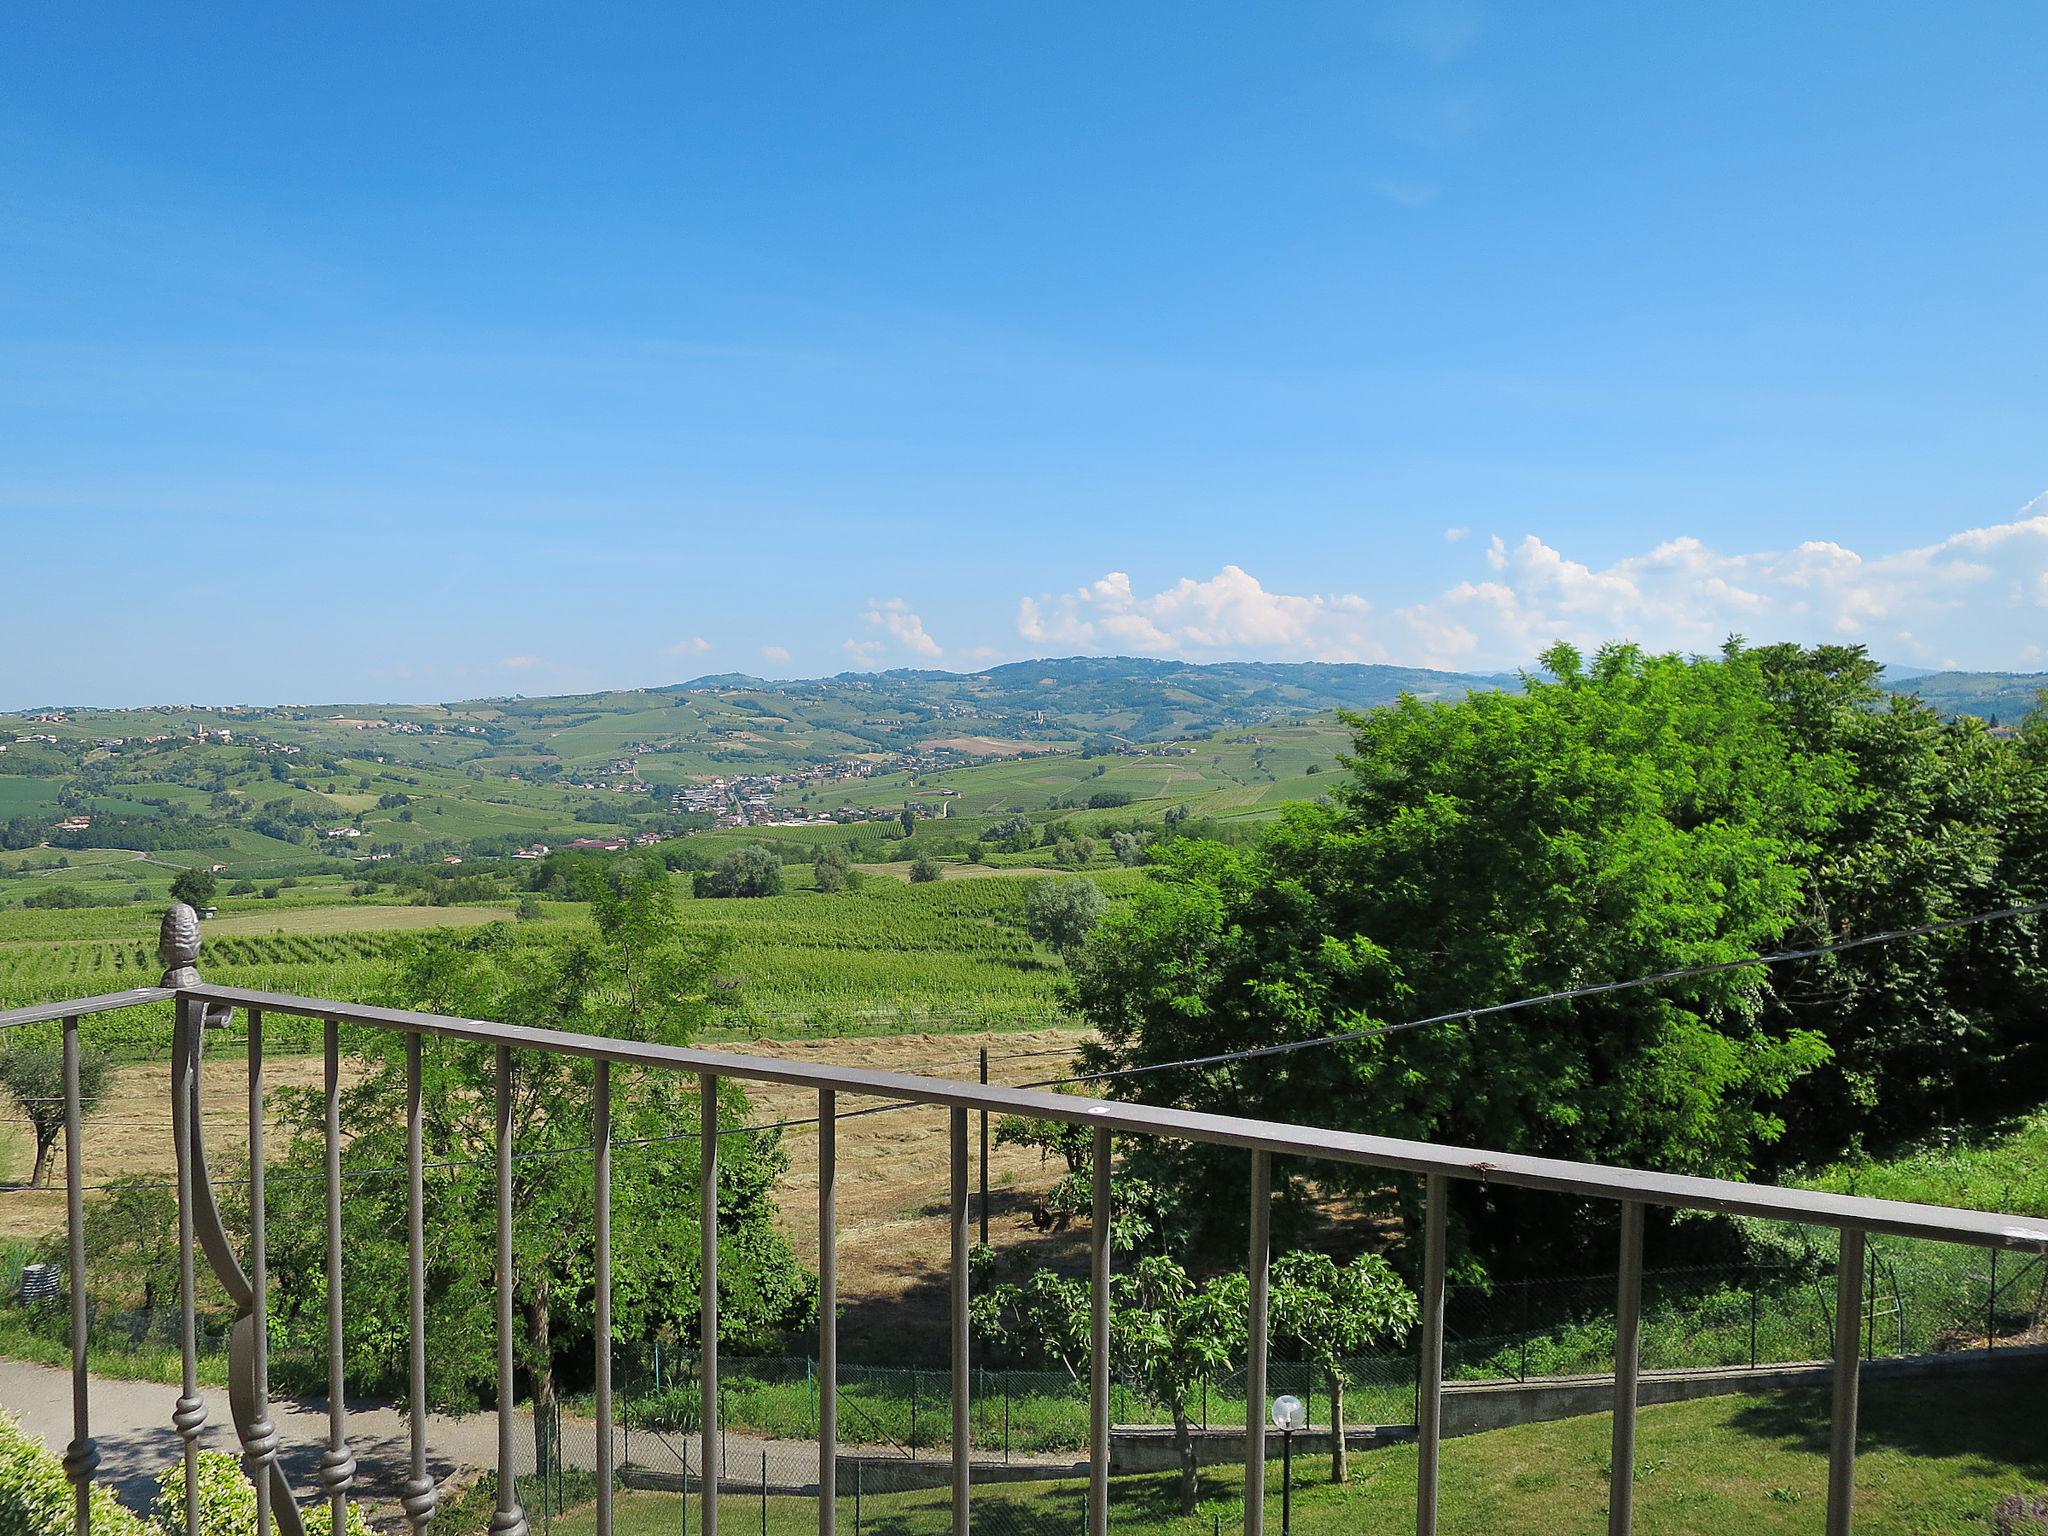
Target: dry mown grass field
{"x": 894, "y": 1168}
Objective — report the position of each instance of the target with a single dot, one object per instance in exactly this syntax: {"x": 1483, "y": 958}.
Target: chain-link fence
{"x": 895, "y": 1423}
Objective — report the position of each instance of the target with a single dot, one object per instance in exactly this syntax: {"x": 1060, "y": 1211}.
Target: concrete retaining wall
{"x": 1471, "y": 1407}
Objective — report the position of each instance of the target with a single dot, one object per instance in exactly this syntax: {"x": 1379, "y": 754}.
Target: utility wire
{"x": 1597, "y": 989}
{"x": 1719, "y": 967}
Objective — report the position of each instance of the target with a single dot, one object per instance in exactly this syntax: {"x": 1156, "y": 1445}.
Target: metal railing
{"x": 201, "y": 1231}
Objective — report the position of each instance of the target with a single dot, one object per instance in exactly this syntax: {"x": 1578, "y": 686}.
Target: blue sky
{"x": 391, "y": 352}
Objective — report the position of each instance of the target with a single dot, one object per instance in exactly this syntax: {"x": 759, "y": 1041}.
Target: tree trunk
{"x": 1184, "y": 1449}
{"x": 540, "y": 1338}
{"x": 1340, "y": 1453}
{"x": 46, "y": 1142}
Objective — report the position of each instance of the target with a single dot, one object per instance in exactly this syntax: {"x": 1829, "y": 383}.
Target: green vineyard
{"x": 885, "y": 959}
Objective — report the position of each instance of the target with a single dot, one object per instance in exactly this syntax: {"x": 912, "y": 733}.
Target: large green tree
{"x": 1616, "y": 817}
{"x": 640, "y": 977}
{"x": 1941, "y": 819}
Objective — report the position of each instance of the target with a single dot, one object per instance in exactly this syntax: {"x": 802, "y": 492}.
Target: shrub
{"x": 195, "y": 887}
{"x": 923, "y": 869}
{"x": 227, "y": 1502}
{"x": 58, "y": 896}
{"x": 35, "y": 1498}
{"x": 751, "y": 871}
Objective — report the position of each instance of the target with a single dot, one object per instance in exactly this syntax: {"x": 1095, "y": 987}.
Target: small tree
{"x": 195, "y": 887}
{"x": 923, "y": 869}
{"x": 1072, "y": 1144}
{"x": 908, "y": 818}
{"x": 32, "y": 1074}
{"x": 1333, "y": 1311}
{"x": 1166, "y": 1330}
{"x": 131, "y": 1243}
{"x": 750, "y": 871}
{"x": 1060, "y": 914}
{"x": 829, "y": 877}
{"x": 1131, "y": 848}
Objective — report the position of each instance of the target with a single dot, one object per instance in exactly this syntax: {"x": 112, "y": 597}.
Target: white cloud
{"x": 892, "y": 616}
{"x": 1456, "y": 535}
{"x": 1974, "y": 596}
{"x": 779, "y": 654}
{"x": 1230, "y": 613}
{"x": 696, "y": 645}
{"x": 520, "y": 663}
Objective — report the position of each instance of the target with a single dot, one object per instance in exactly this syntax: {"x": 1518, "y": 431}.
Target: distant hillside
{"x": 2005, "y": 697}
{"x": 1134, "y": 698}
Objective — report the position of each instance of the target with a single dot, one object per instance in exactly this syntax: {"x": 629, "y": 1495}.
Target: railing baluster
{"x": 1257, "y": 1262}
{"x": 259, "y": 1447}
{"x": 601, "y": 1178}
{"x": 417, "y": 1496}
{"x": 337, "y": 1462}
{"x": 1098, "y": 1344}
{"x": 508, "y": 1519}
{"x": 828, "y": 1312}
{"x": 189, "y": 1416}
{"x": 1429, "y": 1397}
{"x": 707, "y": 1301}
{"x": 82, "y": 1455}
{"x": 963, "y": 1423}
{"x": 1848, "y": 1364}
{"x": 1628, "y": 1327}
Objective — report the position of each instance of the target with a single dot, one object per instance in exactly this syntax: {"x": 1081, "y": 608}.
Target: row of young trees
{"x": 1620, "y": 816}
{"x": 1172, "y": 1329}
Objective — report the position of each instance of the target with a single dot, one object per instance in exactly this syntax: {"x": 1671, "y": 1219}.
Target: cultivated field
{"x": 894, "y": 1167}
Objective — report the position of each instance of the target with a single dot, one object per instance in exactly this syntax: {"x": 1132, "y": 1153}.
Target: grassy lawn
{"x": 1934, "y": 1456}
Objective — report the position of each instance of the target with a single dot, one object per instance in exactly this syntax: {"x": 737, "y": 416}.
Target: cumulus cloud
{"x": 1231, "y": 612}
{"x": 905, "y": 631}
{"x": 1973, "y": 599}
{"x": 520, "y": 663}
{"x": 779, "y": 654}
{"x": 1456, "y": 535}
{"x": 695, "y": 645}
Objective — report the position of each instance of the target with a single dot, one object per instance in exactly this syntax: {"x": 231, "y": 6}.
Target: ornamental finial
{"x": 177, "y": 946}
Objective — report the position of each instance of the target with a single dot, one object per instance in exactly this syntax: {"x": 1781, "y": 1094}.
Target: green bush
{"x": 35, "y": 1498}
{"x": 227, "y": 1502}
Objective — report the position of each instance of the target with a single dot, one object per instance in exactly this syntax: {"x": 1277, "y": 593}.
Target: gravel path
{"x": 131, "y": 1421}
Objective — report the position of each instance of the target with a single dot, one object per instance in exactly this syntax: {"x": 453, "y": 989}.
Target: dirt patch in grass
{"x": 130, "y": 1133}
{"x": 901, "y": 872}
{"x": 351, "y": 919}
{"x": 981, "y": 746}
{"x": 894, "y": 1168}
{"x": 895, "y": 1179}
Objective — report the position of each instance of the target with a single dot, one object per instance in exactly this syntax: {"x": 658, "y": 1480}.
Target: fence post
{"x": 1525, "y": 1330}
{"x": 1755, "y": 1284}
{"x": 1991, "y": 1306}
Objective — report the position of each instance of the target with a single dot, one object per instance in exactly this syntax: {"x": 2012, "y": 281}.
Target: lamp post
{"x": 1288, "y": 1416}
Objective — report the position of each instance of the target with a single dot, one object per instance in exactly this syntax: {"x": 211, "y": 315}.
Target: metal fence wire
{"x": 1032, "y": 1424}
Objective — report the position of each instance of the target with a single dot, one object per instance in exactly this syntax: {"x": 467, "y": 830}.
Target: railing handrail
{"x": 198, "y": 1006}
{"x": 84, "y": 1007}
{"x": 1989, "y": 1229}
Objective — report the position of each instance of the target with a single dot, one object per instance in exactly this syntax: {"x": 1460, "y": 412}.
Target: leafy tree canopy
{"x": 1620, "y": 816}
